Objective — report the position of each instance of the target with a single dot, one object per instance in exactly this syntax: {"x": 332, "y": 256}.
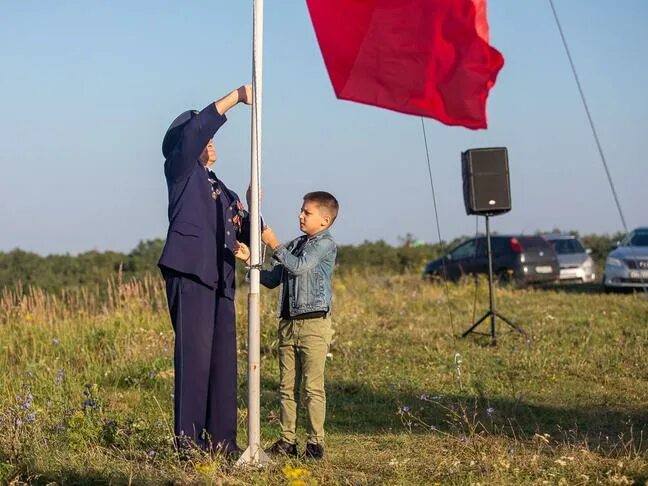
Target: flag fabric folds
{"x": 423, "y": 57}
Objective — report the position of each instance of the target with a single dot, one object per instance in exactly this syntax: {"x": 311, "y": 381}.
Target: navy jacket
{"x": 205, "y": 217}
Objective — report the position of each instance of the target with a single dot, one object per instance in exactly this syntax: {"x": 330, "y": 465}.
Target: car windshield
{"x": 567, "y": 246}
{"x": 533, "y": 242}
{"x": 636, "y": 238}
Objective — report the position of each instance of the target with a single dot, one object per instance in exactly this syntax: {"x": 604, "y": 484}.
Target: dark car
{"x": 522, "y": 259}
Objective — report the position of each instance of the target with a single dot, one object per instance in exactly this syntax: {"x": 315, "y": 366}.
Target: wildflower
{"x": 88, "y": 385}
{"x": 151, "y": 453}
{"x": 295, "y": 473}
{"x": 89, "y": 402}
{"x": 405, "y": 409}
{"x": 18, "y": 422}
{"x": 490, "y": 411}
{"x": 30, "y": 417}
{"x": 205, "y": 468}
{"x": 55, "y": 341}
{"x": 392, "y": 386}
{"x": 433, "y": 428}
{"x": 27, "y": 402}
{"x": 424, "y": 398}
{"x": 329, "y": 356}
{"x": 59, "y": 377}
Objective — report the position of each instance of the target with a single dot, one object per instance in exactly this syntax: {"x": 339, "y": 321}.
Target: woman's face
{"x": 208, "y": 155}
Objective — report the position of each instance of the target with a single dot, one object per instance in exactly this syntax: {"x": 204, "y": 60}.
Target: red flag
{"x": 424, "y": 57}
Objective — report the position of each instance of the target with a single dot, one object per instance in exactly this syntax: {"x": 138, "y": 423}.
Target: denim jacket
{"x": 305, "y": 267}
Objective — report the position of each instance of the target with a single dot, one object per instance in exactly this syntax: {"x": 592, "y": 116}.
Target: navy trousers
{"x": 205, "y": 362}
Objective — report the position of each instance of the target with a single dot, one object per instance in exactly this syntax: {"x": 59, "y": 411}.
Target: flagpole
{"x": 254, "y": 454}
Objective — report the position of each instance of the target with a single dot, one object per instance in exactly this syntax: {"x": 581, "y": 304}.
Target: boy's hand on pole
{"x": 269, "y": 238}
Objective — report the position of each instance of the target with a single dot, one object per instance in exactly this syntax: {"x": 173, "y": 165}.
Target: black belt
{"x": 309, "y": 315}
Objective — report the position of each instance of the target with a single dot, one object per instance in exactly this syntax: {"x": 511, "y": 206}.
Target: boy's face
{"x": 311, "y": 219}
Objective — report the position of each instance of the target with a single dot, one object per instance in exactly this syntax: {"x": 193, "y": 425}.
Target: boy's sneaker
{"x": 281, "y": 447}
{"x": 313, "y": 451}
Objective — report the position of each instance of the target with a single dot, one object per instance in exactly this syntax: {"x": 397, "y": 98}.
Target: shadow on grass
{"x": 358, "y": 408}
{"x": 70, "y": 477}
{"x": 573, "y": 287}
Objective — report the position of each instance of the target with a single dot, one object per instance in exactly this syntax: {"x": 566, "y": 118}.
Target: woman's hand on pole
{"x": 245, "y": 94}
{"x": 242, "y": 252}
{"x": 240, "y": 95}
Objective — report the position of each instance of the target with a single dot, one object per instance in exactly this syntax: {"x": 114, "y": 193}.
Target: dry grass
{"x": 85, "y": 397}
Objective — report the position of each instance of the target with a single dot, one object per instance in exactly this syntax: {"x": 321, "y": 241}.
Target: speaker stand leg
{"x": 492, "y": 313}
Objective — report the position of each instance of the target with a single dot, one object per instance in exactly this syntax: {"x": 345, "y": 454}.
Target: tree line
{"x": 94, "y": 268}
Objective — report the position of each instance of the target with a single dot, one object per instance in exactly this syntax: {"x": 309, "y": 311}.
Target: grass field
{"x": 86, "y": 388}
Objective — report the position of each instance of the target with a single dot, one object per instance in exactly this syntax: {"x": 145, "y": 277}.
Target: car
{"x": 626, "y": 266}
{"x": 576, "y": 264}
{"x": 522, "y": 259}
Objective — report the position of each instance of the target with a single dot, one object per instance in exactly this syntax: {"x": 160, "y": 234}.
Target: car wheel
{"x": 503, "y": 278}
{"x": 607, "y": 289}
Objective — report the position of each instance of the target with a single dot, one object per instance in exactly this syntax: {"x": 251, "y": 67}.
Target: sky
{"x": 88, "y": 88}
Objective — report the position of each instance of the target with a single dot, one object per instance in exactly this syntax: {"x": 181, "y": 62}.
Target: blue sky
{"x": 88, "y": 88}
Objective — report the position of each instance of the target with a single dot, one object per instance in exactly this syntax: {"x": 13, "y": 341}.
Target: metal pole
{"x": 254, "y": 454}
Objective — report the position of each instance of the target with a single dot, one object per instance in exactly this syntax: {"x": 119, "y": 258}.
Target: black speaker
{"x": 486, "y": 187}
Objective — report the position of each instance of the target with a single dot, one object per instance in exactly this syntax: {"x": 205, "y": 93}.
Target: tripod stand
{"x": 492, "y": 313}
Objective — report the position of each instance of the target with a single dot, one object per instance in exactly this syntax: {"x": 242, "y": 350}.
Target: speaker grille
{"x": 486, "y": 185}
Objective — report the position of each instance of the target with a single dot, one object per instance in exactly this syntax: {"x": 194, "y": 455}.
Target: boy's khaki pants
{"x": 303, "y": 346}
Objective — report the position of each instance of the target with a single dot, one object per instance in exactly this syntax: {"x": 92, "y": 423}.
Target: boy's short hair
{"x": 324, "y": 200}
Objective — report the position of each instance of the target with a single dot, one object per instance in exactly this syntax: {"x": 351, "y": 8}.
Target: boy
{"x": 304, "y": 268}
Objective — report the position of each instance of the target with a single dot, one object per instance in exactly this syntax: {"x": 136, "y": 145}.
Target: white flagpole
{"x": 254, "y": 454}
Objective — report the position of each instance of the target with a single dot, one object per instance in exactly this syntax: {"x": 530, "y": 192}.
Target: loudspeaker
{"x": 485, "y": 174}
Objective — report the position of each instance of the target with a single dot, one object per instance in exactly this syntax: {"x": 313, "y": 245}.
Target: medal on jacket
{"x": 213, "y": 182}
{"x": 239, "y": 213}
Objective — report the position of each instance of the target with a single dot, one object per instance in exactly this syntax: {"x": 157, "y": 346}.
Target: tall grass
{"x": 87, "y": 382}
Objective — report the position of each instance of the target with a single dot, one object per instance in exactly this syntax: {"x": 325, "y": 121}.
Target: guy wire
{"x": 436, "y": 215}
{"x": 476, "y": 275}
{"x": 591, "y": 122}
{"x": 589, "y": 116}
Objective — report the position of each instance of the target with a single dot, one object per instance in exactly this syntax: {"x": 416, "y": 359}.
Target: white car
{"x": 626, "y": 265}
{"x": 576, "y": 264}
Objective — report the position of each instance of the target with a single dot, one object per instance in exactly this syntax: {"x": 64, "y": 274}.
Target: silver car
{"x": 576, "y": 264}
{"x": 626, "y": 265}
